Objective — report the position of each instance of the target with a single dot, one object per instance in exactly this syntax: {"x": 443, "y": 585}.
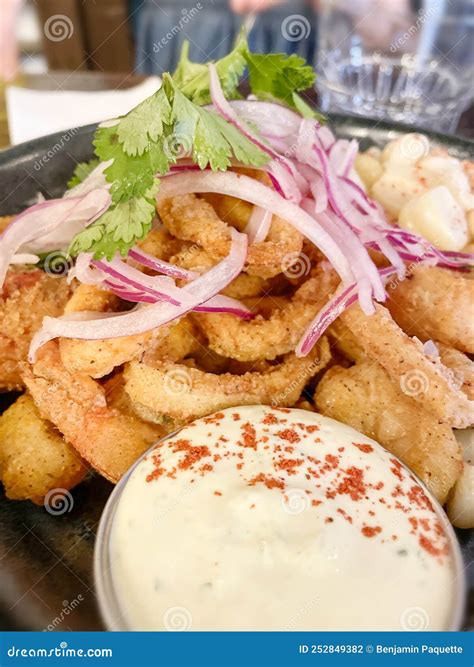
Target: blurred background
{"x": 410, "y": 61}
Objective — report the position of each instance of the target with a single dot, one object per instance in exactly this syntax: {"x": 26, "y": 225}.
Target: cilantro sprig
{"x": 148, "y": 140}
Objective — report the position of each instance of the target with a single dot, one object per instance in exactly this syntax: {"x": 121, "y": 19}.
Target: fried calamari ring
{"x": 462, "y": 367}
{"x": 98, "y": 358}
{"x": 437, "y": 304}
{"x": 34, "y": 457}
{"x": 26, "y": 298}
{"x": 193, "y": 219}
{"x": 366, "y": 398}
{"x": 428, "y": 381}
{"x": 195, "y": 258}
{"x": 109, "y": 440}
{"x": 186, "y": 393}
{"x": 268, "y": 338}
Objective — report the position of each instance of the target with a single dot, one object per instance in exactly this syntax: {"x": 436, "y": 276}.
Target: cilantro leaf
{"x": 144, "y": 123}
{"x": 131, "y": 176}
{"x": 81, "y": 172}
{"x": 118, "y": 229}
{"x": 214, "y": 141}
{"x": 193, "y": 78}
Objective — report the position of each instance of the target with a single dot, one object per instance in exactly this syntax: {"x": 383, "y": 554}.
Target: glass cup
{"x": 381, "y": 59}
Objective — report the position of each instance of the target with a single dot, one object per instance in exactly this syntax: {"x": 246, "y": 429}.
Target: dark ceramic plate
{"x": 46, "y": 561}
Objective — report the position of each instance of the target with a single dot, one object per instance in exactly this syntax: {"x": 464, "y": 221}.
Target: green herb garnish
{"x": 173, "y": 121}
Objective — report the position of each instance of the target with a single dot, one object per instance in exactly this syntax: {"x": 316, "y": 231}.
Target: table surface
{"x": 88, "y": 81}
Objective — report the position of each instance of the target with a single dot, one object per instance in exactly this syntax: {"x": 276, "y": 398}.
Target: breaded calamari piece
{"x": 26, "y": 298}
{"x": 98, "y": 358}
{"x": 109, "y": 440}
{"x": 366, "y": 398}
{"x": 462, "y": 367}
{"x": 34, "y": 457}
{"x": 193, "y": 219}
{"x": 437, "y": 304}
{"x": 186, "y": 393}
{"x": 268, "y": 338}
{"x": 428, "y": 381}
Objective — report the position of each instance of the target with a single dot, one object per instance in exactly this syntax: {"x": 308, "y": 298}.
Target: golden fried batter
{"x": 34, "y": 457}
{"x": 428, "y": 381}
{"x": 438, "y": 304}
{"x": 26, "y": 298}
{"x": 104, "y": 436}
{"x": 186, "y": 393}
{"x": 365, "y": 397}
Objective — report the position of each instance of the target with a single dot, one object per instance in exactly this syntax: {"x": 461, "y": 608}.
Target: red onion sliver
{"x": 146, "y": 318}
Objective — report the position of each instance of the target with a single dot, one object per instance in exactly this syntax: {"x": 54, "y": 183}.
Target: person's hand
{"x": 8, "y": 40}
{"x": 247, "y": 6}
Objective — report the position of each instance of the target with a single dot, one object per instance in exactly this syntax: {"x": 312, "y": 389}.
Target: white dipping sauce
{"x": 273, "y": 519}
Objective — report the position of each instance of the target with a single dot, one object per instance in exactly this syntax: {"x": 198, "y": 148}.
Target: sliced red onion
{"x": 160, "y": 287}
{"x": 29, "y": 229}
{"x": 338, "y": 303}
{"x": 95, "y": 180}
{"x": 161, "y": 266}
{"x": 246, "y": 188}
{"x": 150, "y": 317}
{"x": 258, "y": 225}
{"x": 24, "y": 258}
{"x": 84, "y": 272}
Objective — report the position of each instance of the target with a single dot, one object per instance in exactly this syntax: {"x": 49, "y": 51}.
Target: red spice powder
{"x": 270, "y": 482}
{"x": 315, "y": 503}
{"x": 249, "y": 438}
{"x": 218, "y": 493}
{"x": 418, "y": 497}
{"x": 289, "y": 465}
{"x": 270, "y": 419}
{"x": 332, "y": 460}
{"x": 345, "y": 515}
{"x": 363, "y": 447}
{"x": 193, "y": 454}
{"x": 289, "y": 434}
{"x": 397, "y": 469}
{"x": 427, "y": 544}
{"x": 371, "y": 531}
{"x": 353, "y": 484}
{"x": 158, "y": 470}
{"x": 235, "y": 416}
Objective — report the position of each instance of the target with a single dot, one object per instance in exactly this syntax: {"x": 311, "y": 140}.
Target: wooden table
{"x": 90, "y": 81}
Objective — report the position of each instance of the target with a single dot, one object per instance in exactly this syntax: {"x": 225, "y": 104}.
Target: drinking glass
{"x": 411, "y": 62}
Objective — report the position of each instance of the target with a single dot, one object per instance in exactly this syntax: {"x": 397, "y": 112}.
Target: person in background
{"x": 211, "y": 26}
